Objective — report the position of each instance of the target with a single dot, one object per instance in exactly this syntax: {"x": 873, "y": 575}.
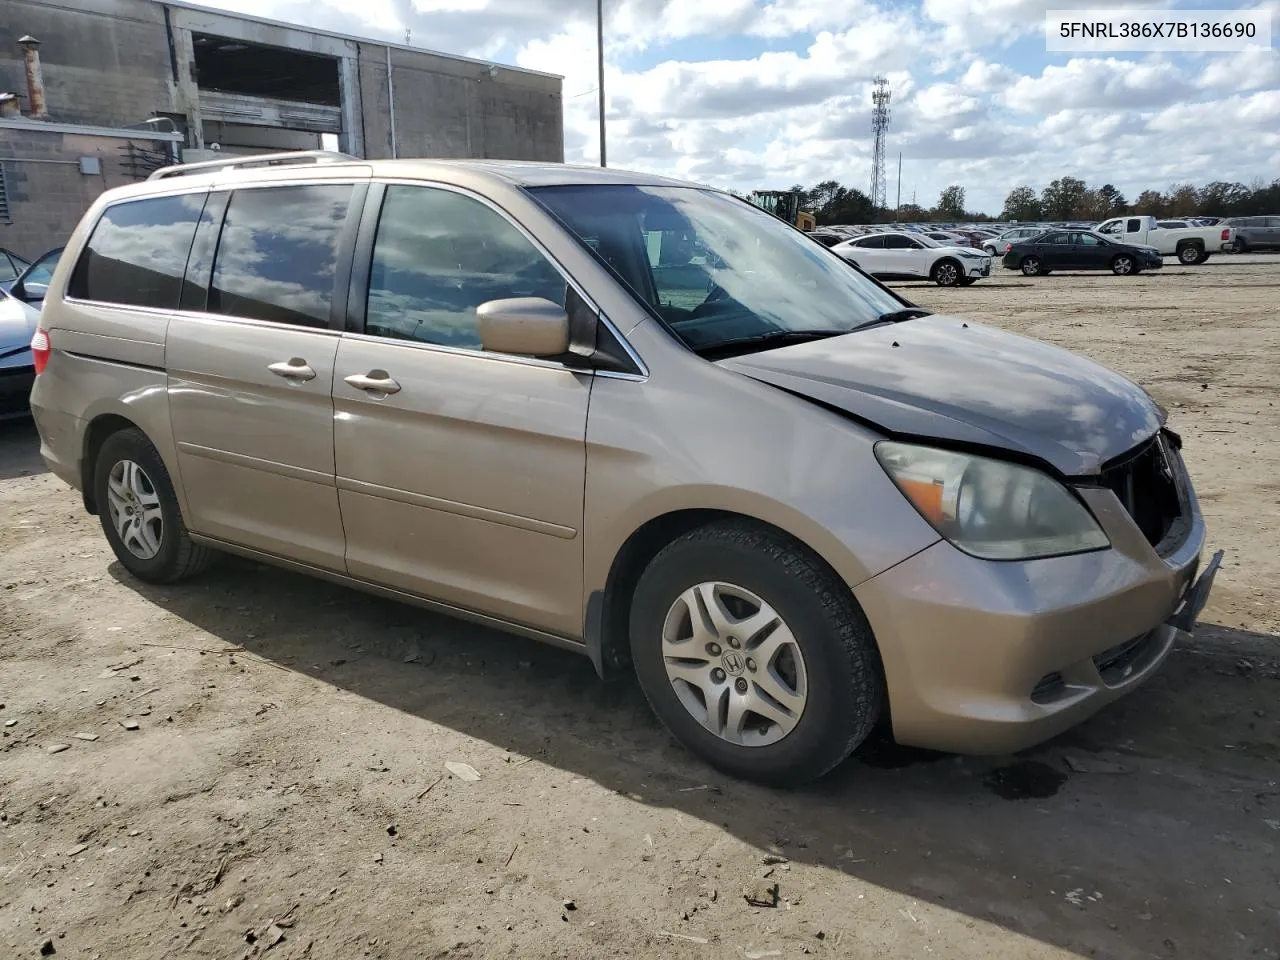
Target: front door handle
{"x": 295, "y": 369}
{"x": 375, "y": 381}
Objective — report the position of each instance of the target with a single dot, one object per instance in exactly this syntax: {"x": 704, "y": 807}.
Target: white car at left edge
{"x": 19, "y": 316}
{"x": 892, "y": 255}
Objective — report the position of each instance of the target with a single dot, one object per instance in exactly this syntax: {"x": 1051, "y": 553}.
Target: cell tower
{"x": 880, "y": 97}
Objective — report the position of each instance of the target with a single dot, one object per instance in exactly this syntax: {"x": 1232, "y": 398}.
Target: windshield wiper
{"x": 774, "y": 338}
{"x": 895, "y": 316}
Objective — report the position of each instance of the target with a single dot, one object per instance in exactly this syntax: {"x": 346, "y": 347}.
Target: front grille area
{"x": 1049, "y": 689}
{"x": 1143, "y": 481}
{"x": 1118, "y": 663}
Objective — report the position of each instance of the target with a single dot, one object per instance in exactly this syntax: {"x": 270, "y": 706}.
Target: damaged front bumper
{"x": 992, "y": 657}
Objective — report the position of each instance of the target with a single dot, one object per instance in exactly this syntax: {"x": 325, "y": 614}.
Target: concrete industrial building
{"x": 103, "y": 91}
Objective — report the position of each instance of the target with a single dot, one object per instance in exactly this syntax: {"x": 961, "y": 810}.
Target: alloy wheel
{"x": 947, "y": 275}
{"x": 734, "y": 664}
{"x": 1122, "y": 266}
{"x": 1189, "y": 255}
{"x": 135, "y": 511}
{"x": 1031, "y": 266}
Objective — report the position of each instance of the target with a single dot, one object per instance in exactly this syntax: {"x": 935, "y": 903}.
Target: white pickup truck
{"x": 1189, "y": 244}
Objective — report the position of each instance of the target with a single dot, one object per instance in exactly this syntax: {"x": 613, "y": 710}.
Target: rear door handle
{"x": 295, "y": 369}
{"x": 375, "y": 381}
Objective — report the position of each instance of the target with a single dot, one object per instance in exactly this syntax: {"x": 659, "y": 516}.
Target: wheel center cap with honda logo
{"x": 734, "y": 663}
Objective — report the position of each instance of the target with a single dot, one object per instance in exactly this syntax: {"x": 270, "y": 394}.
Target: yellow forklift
{"x": 785, "y": 205}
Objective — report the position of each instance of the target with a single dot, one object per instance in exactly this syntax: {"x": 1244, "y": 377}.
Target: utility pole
{"x": 600, "y": 66}
{"x": 898, "y": 206}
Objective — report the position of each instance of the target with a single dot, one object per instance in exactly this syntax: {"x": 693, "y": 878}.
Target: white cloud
{"x": 800, "y": 110}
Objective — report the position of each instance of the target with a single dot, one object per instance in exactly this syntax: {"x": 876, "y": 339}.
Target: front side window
{"x": 1087, "y": 239}
{"x": 438, "y": 255}
{"x": 734, "y": 272}
{"x": 896, "y": 241}
{"x": 278, "y": 253}
{"x": 137, "y": 252}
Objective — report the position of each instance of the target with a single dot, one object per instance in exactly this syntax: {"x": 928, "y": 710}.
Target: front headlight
{"x": 989, "y": 508}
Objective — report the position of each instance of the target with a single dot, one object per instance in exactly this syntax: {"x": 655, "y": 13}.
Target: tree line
{"x": 1066, "y": 198}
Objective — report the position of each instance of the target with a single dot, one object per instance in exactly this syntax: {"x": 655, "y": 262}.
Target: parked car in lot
{"x": 1190, "y": 245}
{"x": 905, "y": 256}
{"x": 1000, "y": 243}
{"x": 1254, "y": 233}
{"x": 1080, "y": 250}
{"x": 632, "y": 417}
{"x": 19, "y": 312}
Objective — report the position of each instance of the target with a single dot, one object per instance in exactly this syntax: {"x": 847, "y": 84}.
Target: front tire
{"x": 754, "y": 654}
{"x": 1123, "y": 266}
{"x": 139, "y": 511}
{"x": 947, "y": 273}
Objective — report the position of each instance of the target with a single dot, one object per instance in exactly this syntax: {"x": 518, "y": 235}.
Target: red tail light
{"x": 1226, "y": 234}
{"x": 1008, "y": 247}
{"x": 40, "y": 350}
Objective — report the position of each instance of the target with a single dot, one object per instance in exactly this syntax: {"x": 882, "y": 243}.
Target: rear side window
{"x": 277, "y": 257}
{"x": 137, "y": 253}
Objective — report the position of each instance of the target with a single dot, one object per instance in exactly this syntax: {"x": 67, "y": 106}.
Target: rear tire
{"x": 814, "y": 615}
{"x": 1031, "y": 267}
{"x": 1190, "y": 254}
{"x": 139, "y": 511}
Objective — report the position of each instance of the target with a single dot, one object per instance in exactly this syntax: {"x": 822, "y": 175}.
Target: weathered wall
{"x": 105, "y": 62}
{"x": 108, "y": 63}
{"x": 46, "y": 200}
{"x": 446, "y": 107}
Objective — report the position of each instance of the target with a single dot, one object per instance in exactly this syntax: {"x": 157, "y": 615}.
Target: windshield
{"x": 42, "y": 270}
{"x": 715, "y": 269}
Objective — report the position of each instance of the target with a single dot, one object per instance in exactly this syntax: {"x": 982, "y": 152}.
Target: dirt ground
{"x": 256, "y": 747}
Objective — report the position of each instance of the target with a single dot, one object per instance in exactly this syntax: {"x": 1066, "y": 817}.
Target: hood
{"x": 942, "y": 378}
{"x": 17, "y": 326}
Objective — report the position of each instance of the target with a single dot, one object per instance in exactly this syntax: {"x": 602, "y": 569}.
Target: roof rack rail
{"x": 259, "y": 160}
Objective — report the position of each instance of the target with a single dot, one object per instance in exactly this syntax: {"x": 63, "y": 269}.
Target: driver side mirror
{"x": 524, "y": 326}
{"x": 30, "y": 292}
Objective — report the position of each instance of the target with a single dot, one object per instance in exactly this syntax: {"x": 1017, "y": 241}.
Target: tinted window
{"x": 1134, "y": 226}
{"x": 875, "y": 243}
{"x": 1057, "y": 238}
{"x": 438, "y": 255}
{"x": 277, "y": 256}
{"x": 1088, "y": 239}
{"x": 137, "y": 252}
{"x": 896, "y": 241}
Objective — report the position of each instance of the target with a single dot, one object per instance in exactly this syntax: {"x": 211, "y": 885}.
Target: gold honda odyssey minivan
{"x": 633, "y": 417}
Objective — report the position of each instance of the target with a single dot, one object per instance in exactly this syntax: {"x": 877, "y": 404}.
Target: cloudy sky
{"x": 766, "y": 93}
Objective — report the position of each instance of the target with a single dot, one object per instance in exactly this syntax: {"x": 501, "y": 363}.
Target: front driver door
{"x": 902, "y": 256}
{"x": 1091, "y": 252}
{"x": 460, "y": 473}
{"x": 1055, "y": 251}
